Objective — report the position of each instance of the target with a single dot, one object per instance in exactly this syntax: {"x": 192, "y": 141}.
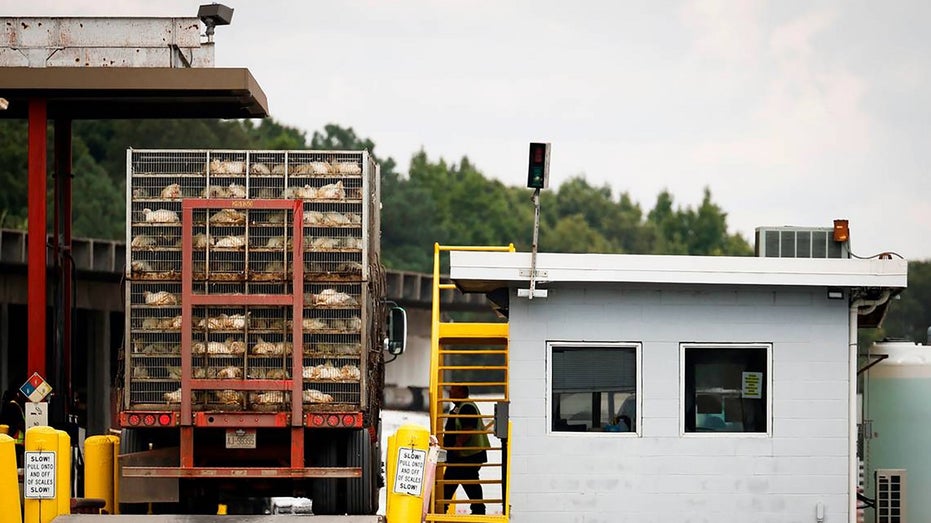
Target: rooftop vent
{"x": 800, "y": 242}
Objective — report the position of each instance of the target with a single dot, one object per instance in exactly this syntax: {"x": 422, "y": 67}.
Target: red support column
{"x": 37, "y": 262}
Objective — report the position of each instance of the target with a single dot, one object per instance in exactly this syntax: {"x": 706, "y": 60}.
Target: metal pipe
{"x": 36, "y": 271}
{"x": 852, "y": 465}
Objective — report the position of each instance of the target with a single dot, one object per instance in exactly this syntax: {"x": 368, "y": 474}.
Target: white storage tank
{"x": 897, "y": 397}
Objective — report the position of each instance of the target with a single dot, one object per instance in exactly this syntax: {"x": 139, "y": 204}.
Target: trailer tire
{"x": 361, "y": 493}
{"x": 325, "y": 492}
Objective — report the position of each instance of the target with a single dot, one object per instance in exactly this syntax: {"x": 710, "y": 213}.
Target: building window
{"x": 726, "y": 388}
{"x": 594, "y": 387}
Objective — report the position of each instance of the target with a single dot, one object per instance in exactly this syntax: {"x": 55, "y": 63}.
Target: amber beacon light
{"x": 841, "y": 231}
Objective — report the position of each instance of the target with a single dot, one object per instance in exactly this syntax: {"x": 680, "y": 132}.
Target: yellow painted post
{"x": 9, "y": 482}
{"x": 4, "y": 429}
{"x": 407, "y": 460}
{"x": 115, "y": 443}
{"x": 48, "y": 441}
{"x": 221, "y": 509}
{"x": 98, "y": 470}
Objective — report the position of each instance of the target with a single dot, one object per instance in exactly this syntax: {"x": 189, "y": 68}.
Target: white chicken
{"x": 306, "y": 192}
{"x": 231, "y": 242}
{"x": 349, "y": 372}
{"x": 333, "y": 191}
{"x": 236, "y": 347}
{"x": 171, "y": 191}
{"x": 229, "y": 373}
{"x": 351, "y": 242}
{"x": 211, "y": 347}
{"x": 313, "y": 218}
{"x": 143, "y": 241}
{"x": 332, "y": 298}
{"x": 140, "y": 373}
{"x": 259, "y": 168}
{"x": 236, "y": 191}
{"x": 228, "y": 217}
{"x": 202, "y": 241}
{"x": 266, "y": 398}
{"x": 160, "y": 216}
{"x": 263, "y": 348}
{"x": 279, "y": 168}
{"x": 229, "y": 397}
{"x": 141, "y": 266}
{"x": 227, "y": 167}
{"x": 278, "y": 242}
{"x": 348, "y": 168}
{"x": 173, "y": 397}
{"x": 324, "y": 371}
{"x": 140, "y": 193}
{"x": 278, "y": 217}
{"x": 351, "y": 324}
{"x": 215, "y": 191}
{"x": 336, "y": 219}
{"x": 160, "y": 298}
{"x": 349, "y": 266}
{"x": 314, "y": 324}
{"x": 315, "y": 396}
{"x": 323, "y": 243}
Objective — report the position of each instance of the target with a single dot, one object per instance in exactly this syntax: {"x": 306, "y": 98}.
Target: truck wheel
{"x": 325, "y": 492}
{"x": 361, "y": 493}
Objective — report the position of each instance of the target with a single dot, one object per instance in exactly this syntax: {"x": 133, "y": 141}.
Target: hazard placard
{"x": 39, "y": 475}
{"x": 36, "y": 388}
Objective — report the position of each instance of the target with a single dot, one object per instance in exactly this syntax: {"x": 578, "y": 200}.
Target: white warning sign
{"x": 39, "y": 475}
{"x": 408, "y": 477}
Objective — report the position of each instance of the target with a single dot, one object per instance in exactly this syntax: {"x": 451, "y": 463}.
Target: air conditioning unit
{"x": 799, "y": 242}
{"x": 890, "y": 496}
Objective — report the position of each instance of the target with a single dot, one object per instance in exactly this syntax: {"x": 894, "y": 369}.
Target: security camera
{"x": 213, "y": 15}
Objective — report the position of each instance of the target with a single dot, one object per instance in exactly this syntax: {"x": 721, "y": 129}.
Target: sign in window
{"x": 725, "y": 388}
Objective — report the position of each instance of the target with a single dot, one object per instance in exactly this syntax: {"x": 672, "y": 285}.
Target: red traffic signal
{"x": 538, "y": 172}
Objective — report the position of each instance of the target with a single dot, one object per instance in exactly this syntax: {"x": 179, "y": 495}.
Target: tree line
{"x": 435, "y": 201}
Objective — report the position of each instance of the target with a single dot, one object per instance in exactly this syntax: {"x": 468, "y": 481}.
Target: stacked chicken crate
{"x": 241, "y": 247}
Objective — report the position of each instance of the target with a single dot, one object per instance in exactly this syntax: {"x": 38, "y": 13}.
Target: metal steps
{"x": 475, "y": 355}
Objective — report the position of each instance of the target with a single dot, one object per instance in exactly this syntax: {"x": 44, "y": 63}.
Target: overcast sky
{"x": 791, "y": 112}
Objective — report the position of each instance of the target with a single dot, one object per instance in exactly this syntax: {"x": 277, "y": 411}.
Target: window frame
{"x": 548, "y": 399}
{"x": 683, "y": 346}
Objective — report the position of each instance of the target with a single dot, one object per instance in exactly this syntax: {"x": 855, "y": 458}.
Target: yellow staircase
{"x": 474, "y": 355}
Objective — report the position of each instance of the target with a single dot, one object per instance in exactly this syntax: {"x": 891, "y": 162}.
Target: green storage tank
{"x": 897, "y": 398}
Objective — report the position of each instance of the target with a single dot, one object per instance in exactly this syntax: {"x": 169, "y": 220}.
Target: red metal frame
{"x": 37, "y": 264}
{"x": 188, "y": 384}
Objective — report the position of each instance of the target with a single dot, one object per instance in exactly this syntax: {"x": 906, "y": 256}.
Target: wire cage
{"x": 246, "y": 251}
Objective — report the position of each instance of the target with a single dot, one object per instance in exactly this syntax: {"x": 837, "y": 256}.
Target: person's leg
{"x": 451, "y": 474}
{"x": 473, "y": 490}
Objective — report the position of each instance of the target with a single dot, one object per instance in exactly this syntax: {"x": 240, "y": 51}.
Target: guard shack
{"x": 683, "y": 388}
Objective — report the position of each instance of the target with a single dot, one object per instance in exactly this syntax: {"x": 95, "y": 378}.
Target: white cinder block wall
{"x": 662, "y": 476}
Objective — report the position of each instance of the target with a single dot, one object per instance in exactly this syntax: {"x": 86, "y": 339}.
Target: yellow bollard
{"x": 48, "y": 445}
{"x": 115, "y": 443}
{"x": 9, "y": 482}
{"x": 98, "y": 470}
{"x": 221, "y": 509}
{"x": 407, "y": 460}
{"x": 4, "y": 429}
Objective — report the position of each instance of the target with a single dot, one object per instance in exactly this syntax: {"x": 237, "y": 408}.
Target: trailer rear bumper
{"x": 242, "y": 472}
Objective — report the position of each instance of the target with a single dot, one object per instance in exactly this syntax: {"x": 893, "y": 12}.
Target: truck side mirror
{"x": 397, "y": 331}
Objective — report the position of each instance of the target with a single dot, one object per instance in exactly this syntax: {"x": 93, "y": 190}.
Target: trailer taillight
{"x": 133, "y": 419}
{"x": 164, "y": 419}
{"x": 317, "y": 420}
{"x": 148, "y": 420}
{"x": 332, "y": 420}
{"x": 349, "y": 420}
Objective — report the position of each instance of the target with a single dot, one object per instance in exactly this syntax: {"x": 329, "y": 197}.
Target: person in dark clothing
{"x": 465, "y": 452}
{"x": 11, "y": 415}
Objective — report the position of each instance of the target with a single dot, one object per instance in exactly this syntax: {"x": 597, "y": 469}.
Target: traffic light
{"x": 538, "y": 174}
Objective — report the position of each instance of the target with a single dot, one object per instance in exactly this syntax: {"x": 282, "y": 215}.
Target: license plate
{"x": 240, "y": 438}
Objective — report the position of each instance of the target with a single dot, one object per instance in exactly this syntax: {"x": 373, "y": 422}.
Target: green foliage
{"x": 909, "y": 315}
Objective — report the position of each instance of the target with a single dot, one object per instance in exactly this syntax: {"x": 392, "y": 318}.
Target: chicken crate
{"x": 241, "y": 246}
{"x": 339, "y": 190}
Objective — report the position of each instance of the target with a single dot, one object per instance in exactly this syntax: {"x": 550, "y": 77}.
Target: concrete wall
{"x": 663, "y": 476}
